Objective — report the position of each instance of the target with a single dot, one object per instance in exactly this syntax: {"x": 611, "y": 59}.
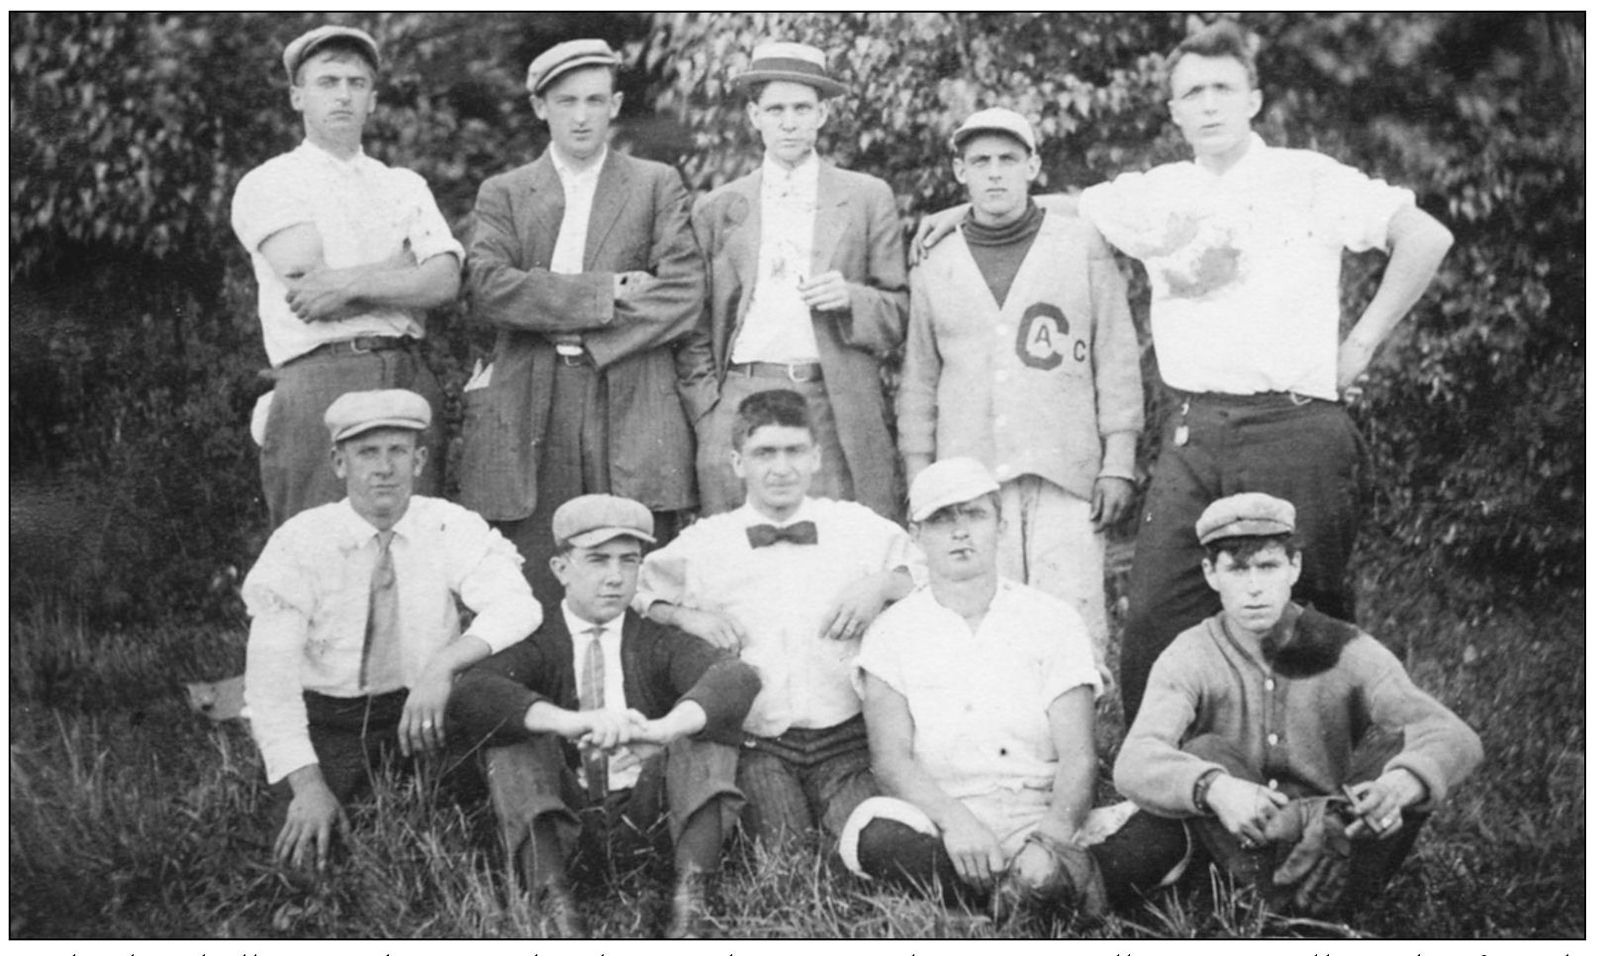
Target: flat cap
{"x": 1251, "y": 514}
{"x": 589, "y": 520}
{"x": 566, "y": 56}
{"x": 302, "y": 47}
{"x": 793, "y": 63}
{"x": 995, "y": 120}
{"x": 356, "y": 412}
{"x": 950, "y": 481}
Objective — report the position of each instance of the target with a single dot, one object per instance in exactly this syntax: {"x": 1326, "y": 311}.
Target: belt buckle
{"x": 1298, "y": 400}
{"x": 790, "y": 373}
{"x": 356, "y": 344}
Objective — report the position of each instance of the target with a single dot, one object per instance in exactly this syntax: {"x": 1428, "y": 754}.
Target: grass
{"x": 132, "y": 817}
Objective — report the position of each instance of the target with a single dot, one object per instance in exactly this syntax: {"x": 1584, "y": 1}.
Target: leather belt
{"x": 360, "y": 344}
{"x": 798, "y": 372}
{"x": 1253, "y": 400}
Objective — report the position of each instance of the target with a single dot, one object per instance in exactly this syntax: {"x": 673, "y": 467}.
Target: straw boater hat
{"x": 792, "y": 62}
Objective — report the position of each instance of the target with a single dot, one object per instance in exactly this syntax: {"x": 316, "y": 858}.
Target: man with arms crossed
{"x": 791, "y": 581}
{"x": 1021, "y": 355}
{"x": 808, "y": 290}
{"x": 584, "y": 263}
{"x": 355, "y": 634}
{"x": 348, "y": 253}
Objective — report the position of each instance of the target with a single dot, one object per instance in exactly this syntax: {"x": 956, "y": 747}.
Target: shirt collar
{"x": 804, "y": 175}
{"x": 568, "y": 174}
{"x": 355, "y": 531}
{"x": 577, "y": 625}
{"x": 315, "y": 153}
{"x": 1256, "y": 149}
{"x": 749, "y": 516}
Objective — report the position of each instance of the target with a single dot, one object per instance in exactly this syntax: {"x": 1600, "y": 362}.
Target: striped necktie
{"x": 593, "y": 696}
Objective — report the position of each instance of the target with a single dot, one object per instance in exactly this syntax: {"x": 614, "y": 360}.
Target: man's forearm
{"x": 430, "y": 283}
{"x": 1418, "y": 245}
{"x": 457, "y": 656}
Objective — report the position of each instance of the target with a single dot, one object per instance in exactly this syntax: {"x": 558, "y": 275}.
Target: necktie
{"x": 763, "y": 535}
{"x": 381, "y": 646}
{"x": 593, "y": 696}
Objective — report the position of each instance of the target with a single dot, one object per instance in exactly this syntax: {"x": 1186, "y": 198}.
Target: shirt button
{"x": 1274, "y": 785}
{"x": 1269, "y": 684}
{"x": 1274, "y": 739}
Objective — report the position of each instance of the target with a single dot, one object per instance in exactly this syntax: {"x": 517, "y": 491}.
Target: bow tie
{"x": 763, "y": 535}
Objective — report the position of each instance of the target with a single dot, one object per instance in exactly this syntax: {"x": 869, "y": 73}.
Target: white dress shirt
{"x": 308, "y": 601}
{"x": 578, "y": 196}
{"x": 778, "y": 325}
{"x": 611, "y": 687}
{"x": 1246, "y": 265}
{"x": 783, "y": 595}
{"x": 364, "y": 211}
{"x": 979, "y": 697}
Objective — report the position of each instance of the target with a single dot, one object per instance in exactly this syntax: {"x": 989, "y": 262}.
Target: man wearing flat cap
{"x": 1021, "y": 354}
{"x": 603, "y": 713}
{"x": 348, "y": 254}
{"x": 355, "y": 631}
{"x": 1292, "y": 745}
{"x": 584, "y": 263}
{"x": 808, "y": 291}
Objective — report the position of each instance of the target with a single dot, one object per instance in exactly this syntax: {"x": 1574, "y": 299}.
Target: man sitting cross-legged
{"x": 600, "y": 708}
{"x": 791, "y": 581}
{"x": 978, "y": 693}
{"x": 1292, "y": 746}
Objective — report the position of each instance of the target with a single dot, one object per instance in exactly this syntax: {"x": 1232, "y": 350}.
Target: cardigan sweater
{"x": 1032, "y": 386}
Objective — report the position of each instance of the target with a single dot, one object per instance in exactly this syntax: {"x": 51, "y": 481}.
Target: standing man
{"x": 1021, "y": 355}
{"x": 790, "y": 581}
{"x": 354, "y": 636}
{"x": 808, "y": 291}
{"x": 1243, "y": 249}
{"x": 348, "y": 253}
{"x": 584, "y": 263}
{"x": 601, "y": 709}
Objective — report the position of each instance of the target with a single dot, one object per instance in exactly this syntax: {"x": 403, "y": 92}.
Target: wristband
{"x": 1199, "y": 790}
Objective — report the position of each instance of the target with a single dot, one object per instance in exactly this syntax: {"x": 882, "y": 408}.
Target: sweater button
{"x": 1269, "y": 684}
{"x": 1274, "y": 739}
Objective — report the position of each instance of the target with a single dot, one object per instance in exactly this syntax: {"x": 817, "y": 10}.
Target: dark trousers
{"x": 531, "y": 783}
{"x": 1159, "y": 843}
{"x": 573, "y": 462}
{"x": 805, "y": 778}
{"x": 356, "y": 744}
{"x": 720, "y": 489}
{"x": 295, "y": 468}
{"x": 1304, "y": 450}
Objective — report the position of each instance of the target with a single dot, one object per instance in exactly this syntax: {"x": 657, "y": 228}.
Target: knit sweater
{"x": 1296, "y": 714}
{"x": 1032, "y": 386}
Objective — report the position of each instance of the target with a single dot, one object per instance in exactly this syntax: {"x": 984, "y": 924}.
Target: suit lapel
{"x": 561, "y": 642}
{"x": 629, "y": 657}
{"x": 612, "y": 192}
{"x": 829, "y": 222}
{"x": 745, "y": 236}
{"x": 545, "y": 212}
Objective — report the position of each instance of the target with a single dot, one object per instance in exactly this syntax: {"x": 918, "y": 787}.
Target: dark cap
{"x": 302, "y": 47}
{"x": 1252, "y": 514}
{"x": 589, "y": 520}
{"x": 566, "y": 57}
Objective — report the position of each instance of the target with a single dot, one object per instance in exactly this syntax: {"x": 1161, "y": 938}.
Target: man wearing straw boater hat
{"x": 808, "y": 289}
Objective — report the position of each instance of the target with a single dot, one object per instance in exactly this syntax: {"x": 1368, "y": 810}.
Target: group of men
{"x": 795, "y": 660}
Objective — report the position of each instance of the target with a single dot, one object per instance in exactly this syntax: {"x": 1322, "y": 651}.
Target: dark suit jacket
{"x": 661, "y": 667}
{"x": 639, "y": 221}
{"x": 856, "y": 231}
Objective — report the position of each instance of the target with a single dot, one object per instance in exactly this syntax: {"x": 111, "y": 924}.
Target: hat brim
{"x": 589, "y": 539}
{"x": 964, "y": 135}
{"x": 955, "y": 497}
{"x": 825, "y": 86}
{"x": 577, "y": 63}
{"x": 407, "y": 424}
{"x": 1248, "y": 528}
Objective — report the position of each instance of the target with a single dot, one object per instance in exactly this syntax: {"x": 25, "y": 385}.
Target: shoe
{"x": 559, "y": 915}
{"x": 692, "y": 918}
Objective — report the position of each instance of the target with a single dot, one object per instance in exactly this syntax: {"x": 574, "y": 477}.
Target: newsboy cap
{"x": 950, "y": 481}
{"x": 565, "y": 57}
{"x": 995, "y": 120}
{"x": 589, "y": 520}
{"x": 1251, "y": 514}
{"x": 302, "y": 47}
{"x": 356, "y": 412}
{"x": 793, "y": 63}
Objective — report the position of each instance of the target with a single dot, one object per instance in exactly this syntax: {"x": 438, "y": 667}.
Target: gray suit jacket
{"x": 857, "y": 232}
{"x": 639, "y": 221}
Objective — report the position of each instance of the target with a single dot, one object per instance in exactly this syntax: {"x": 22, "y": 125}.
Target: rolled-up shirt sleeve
{"x": 490, "y": 582}
{"x": 427, "y": 232}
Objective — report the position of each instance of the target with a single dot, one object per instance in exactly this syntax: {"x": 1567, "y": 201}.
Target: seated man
{"x": 792, "y": 582}
{"x": 601, "y": 708}
{"x": 1292, "y": 745}
{"x": 978, "y": 693}
{"x": 335, "y": 674}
